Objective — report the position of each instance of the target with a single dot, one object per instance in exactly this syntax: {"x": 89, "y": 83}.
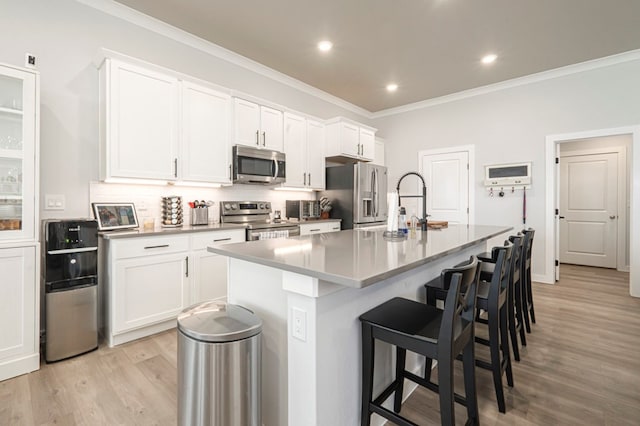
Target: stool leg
{"x": 512, "y": 328}
{"x": 504, "y": 343}
{"x": 401, "y": 355}
{"x": 367, "y": 374}
{"x": 428, "y": 365}
{"x": 494, "y": 348}
{"x": 525, "y": 308}
{"x": 445, "y": 385}
{"x": 519, "y": 317}
{"x": 530, "y": 297}
{"x": 468, "y": 360}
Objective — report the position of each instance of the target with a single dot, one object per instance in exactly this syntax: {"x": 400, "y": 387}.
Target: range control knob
{"x": 227, "y": 206}
{"x": 261, "y": 206}
{"x": 267, "y": 206}
{"x": 234, "y": 206}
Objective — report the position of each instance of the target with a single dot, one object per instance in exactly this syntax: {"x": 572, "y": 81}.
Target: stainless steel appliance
{"x": 303, "y": 209}
{"x": 256, "y": 216}
{"x": 358, "y": 194}
{"x": 70, "y": 266}
{"x": 258, "y": 166}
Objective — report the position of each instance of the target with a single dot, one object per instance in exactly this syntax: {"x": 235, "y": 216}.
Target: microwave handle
{"x": 275, "y": 167}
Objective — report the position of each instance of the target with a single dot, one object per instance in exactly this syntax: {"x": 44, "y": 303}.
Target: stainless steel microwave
{"x": 258, "y": 166}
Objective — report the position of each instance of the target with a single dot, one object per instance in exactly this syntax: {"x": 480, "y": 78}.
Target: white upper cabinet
{"x": 257, "y": 126}
{"x": 156, "y": 126}
{"x": 205, "y": 150}
{"x": 19, "y": 111}
{"x": 304, "y": 147}
{"x": 349, "y": 139}
{"x": 379, "y": 157}
{"x": 140, "y": 119}
{"x": 315, "y": 154}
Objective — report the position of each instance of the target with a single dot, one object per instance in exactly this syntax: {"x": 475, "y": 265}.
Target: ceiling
{"x": 430, "y": 48}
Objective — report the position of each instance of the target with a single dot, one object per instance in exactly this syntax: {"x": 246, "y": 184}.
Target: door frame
{"x": 470, "y": 150}
{"x": 551, "y": 195}
{"x": 621, "y": 184}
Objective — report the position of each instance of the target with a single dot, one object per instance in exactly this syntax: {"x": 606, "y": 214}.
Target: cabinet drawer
{"x": 149, "y": 246}
{"x": 202, "y": 240}
{"x": 319, "y": 228}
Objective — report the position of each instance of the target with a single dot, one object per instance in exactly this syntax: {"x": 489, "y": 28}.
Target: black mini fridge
{"x": 70, "y": 267}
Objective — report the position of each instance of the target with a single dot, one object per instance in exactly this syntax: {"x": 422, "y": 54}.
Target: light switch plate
{"x": 299, "y": 324}
{"x": 54, "y": 202}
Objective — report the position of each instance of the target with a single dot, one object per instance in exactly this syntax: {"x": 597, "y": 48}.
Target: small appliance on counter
{"x": 172, "y": 211}
{"x": 70, "y": 280}
{"x": 303, "y": 209}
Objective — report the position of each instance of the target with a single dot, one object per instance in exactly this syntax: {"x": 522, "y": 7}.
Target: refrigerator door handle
{"x": 374, "y": 192}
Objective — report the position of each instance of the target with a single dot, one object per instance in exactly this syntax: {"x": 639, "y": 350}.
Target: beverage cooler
{"x": 70, "y": 266}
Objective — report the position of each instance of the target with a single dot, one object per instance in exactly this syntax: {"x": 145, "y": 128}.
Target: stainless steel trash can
{"x": 219, "y": 365}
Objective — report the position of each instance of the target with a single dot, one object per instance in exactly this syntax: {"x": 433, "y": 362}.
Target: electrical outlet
{"x": 299, "y": 325}
{"x": 29, "y": 60}
{"x": 54, "y": 202}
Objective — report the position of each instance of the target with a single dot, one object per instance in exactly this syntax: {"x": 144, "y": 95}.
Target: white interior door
{"x": 447, "y": 179}
{"x": 588, "y": 209}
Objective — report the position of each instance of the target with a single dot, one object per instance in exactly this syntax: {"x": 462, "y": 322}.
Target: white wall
{"x": 510, "y": 125}
{"x": 66, "y": 36}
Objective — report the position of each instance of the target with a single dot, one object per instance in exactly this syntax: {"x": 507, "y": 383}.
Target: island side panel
{"x": 325, "y": 368}
{"x": 259, "y": 288}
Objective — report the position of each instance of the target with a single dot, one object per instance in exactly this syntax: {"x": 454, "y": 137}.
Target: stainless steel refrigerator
{"x": 358, "y": 194}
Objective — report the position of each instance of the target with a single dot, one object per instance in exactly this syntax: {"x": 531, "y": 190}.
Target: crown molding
{"x": 593, "y": 64}
{"x": 147, "y": 22}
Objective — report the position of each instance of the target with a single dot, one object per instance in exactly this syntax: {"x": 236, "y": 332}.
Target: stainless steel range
{"x": 256, "y": 215}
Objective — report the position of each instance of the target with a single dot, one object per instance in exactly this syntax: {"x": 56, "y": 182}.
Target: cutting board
{"x": 437, "y": 224}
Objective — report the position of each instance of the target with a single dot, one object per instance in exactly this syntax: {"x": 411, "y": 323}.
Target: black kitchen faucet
{"x": 423, "y": 221}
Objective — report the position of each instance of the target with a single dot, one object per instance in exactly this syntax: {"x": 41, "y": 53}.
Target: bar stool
{"x": 426, "y": 330}
{"x": 528, "y": 311}
{"x": 514, "y": 296}
{"x": 492, "y": 298}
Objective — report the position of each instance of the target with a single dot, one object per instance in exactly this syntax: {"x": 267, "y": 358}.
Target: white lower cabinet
{"x": 150, "y": 280}
{"x": 319, "y": 227}
{"x": 19, "y": 316}
{"x": 209, "y": 277}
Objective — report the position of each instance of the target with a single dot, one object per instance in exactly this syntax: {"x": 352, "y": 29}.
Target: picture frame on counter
{"x": 112, "y": 216}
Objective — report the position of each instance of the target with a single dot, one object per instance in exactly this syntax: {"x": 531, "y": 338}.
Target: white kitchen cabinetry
{"x": 139, "y": 116}
{"x": 346, "y": 138}
{"x": 19, "y": 311}
{"x": 257, "y": 126}
{"x": 209, "y": 276}
{"x": 319, "y": 227}
{"x": 379, "y": 157}
{"x": 304, "y": 147}
{"x": 205, "y": 150}
{"x": 149, "y": 280}
{"x": 147, "y": 285}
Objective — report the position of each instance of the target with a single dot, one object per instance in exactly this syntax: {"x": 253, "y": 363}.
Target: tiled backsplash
{"x": 147, "y": 198}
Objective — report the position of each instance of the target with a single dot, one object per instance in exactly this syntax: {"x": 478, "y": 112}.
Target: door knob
{"x": 612, "y": 217}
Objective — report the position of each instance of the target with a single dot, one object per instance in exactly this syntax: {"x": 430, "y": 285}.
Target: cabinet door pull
{"x": 258, "y": 137}
{"x": 309, "y": 179}
{"x": 336, "y": 229}
{"x": 221, "y": 239}
{"x": 264, "y": 138}
{"x": 314, "y": 230}
{"x": 155, "y": 247}
{"x": 229, "y": 171}
{"x": 175, "y": 167}
{"x": 305, "y": 179}
{"x": 186, "y": 261}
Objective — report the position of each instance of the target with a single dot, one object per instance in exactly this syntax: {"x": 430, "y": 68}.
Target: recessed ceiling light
{"x": 325, "y": 45}
{"x": 392, "y": 87}
{"x": 489, "y": 59}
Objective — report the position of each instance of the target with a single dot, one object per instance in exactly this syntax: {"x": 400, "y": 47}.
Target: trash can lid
{"x": 217, "y": 321}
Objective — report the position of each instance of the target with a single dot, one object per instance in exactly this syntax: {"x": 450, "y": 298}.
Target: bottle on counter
{"x": 402, "y": 221}
{"x": 414, "y": 225}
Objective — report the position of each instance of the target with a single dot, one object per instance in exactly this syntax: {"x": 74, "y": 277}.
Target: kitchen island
{"x": 309, "y": 292}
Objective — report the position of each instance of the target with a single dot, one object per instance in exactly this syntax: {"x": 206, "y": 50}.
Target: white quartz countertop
{"x": 358, "y": 258}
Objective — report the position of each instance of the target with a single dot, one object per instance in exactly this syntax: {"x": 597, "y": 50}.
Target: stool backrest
{"x": 528, "y": 246}
{"x": 501, "y": 273}
{"x": 460, "y": 305}
{"x": 516, "y": 259}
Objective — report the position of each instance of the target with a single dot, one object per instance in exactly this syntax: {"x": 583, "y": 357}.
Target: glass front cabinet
{"x": 18, "y": 154}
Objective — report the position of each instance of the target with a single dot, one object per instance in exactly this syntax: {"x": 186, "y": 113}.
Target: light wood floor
{"x": 581, "y": 367}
